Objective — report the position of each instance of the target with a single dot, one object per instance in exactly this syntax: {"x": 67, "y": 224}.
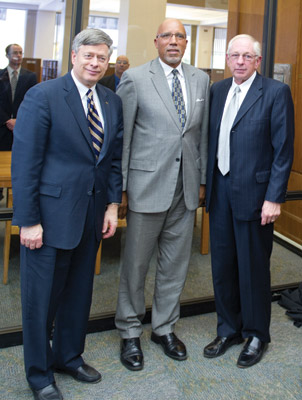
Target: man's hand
{"x": 110, "y": 221}
{"x": 202, "y": 195}
{"x": 32, "y": 236}
{"x": 123, "y": 208}
{"x": 270, "y": 212}
{"x": 10, "y": 124}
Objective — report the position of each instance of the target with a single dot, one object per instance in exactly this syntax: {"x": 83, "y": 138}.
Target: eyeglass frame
{"x": 168, "y": 36}
{"x": 246, "y": 57}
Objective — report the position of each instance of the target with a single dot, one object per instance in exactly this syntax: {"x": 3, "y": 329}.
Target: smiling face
{"x": 171, "y": 48}
{"x": 90, "y": 63}
{"x": 239, "y": 61}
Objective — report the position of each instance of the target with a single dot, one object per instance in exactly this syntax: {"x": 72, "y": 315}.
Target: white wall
{"x": 44, "y": 37}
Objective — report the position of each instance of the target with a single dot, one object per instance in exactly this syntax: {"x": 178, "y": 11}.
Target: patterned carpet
{"x": 276, "y": 377}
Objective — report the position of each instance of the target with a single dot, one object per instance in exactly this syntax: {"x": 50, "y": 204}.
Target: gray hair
{"x": 256, "y": 45}
{"x": 92, "y": 37}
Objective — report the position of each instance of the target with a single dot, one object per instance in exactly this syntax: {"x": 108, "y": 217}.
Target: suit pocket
{"x": 50, "y": 190}
{"x": 143, "y": 165}
{"x": 263, "y": 176}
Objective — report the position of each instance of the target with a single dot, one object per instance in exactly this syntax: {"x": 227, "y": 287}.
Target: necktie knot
{"x": 174, "y": 72}
{"x": 89, "y": 94}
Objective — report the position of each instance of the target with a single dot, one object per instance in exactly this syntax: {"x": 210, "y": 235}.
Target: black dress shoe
{"x": 131, "y": 354}
{"x": 172, "y": 346}
{"x": 50, "y": 392}
{"x": 84, "y": 373}
{"x": 220, "y": 345}
{"x": 252, "y": 352}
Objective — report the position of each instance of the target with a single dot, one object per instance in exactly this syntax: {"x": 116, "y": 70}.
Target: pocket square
{"x": 198, "y": 100}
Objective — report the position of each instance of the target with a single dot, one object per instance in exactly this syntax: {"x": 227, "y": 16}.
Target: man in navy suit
{"x": 12, "y": 94}
{"x": 66, "y": 188}
{"x": 250, "y": 158}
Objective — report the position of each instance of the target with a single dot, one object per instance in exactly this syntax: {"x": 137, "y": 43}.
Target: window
{"x": 219, "y": 48}
{"x": 108, "y": 25}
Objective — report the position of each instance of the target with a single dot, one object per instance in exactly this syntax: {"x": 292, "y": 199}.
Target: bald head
{"x": 171, "y": 41}
{"x": 122, "y": 63}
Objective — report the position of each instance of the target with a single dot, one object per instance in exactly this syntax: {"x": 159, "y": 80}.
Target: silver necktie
{"x": 178, "y": 98}
{"x": 13, "y": 83}
{"x": 223, "y": 153}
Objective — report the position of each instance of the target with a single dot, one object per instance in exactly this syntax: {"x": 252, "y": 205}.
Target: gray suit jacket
{"x": 155, "y": 144}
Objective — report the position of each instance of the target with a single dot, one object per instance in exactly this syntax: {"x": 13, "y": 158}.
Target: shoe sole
{"x": 180, "y": 358}
{"x": 232, "y": 343}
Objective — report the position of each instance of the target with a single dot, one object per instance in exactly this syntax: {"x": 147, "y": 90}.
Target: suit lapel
{"x": 106, "y": 112}
{"x": 222, "y": 99}
{"x": 191, "y": 87}
{"x": 161, "y": 86}
{"x": 253, "y": 94}
{"x": 74, "y": 102}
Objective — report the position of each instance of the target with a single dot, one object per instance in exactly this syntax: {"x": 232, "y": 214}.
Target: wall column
{"x": 139, "y": 20}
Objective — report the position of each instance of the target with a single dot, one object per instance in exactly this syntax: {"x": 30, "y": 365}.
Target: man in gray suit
{"x": 165, "y": 106}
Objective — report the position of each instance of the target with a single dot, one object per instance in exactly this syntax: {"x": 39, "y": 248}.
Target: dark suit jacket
{"x": 108, "y": 81}
{"x": 9, "y": 108}
{"x": 54, "y": 170}
{"x": 261, "y": 145}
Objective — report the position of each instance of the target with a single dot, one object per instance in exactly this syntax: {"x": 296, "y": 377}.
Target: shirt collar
{"x": 11, "y": 70}
{"x": 81, "y": 88}
{"x": 168, "y": 70}
{"x": 246, "y": 84}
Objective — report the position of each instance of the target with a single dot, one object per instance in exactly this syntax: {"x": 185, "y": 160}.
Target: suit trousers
{"x": 172, "y": 232}
{"x": 56, "y": 285}
{"x": 240, "y": 252}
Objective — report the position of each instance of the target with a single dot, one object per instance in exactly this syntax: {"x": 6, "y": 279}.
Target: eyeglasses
{"x": 122, "y": 62}
{"x": 168, "y": 35}
{"x": 245, "y": 57}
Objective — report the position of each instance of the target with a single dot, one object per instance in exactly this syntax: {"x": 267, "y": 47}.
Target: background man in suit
{"x": 67, "y": 181}
{"x": 14, "y": 83}
{"x": 165, "y": 106}
{"x": 250, "y": 158}
{"x": 112, "y": 81}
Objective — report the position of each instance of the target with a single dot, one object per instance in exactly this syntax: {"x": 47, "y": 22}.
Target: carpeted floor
{"x": 276, "y": 377}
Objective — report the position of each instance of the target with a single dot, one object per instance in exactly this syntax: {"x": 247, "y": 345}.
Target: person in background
{"x": 250, "y": 157}
{"x": 165, "y": 104}
{"x": 112, "y": 81}
{"x": 14, "y": 83}
{"x": 67, "y": 183}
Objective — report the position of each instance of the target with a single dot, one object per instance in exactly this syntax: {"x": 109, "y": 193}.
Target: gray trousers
{"x": 172, "y": 231}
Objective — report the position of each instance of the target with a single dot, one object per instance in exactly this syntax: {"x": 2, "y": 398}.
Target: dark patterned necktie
{"x": 178, "y": 98}
{"x": 94, "y": 124}
{"x": 13, "y": 83}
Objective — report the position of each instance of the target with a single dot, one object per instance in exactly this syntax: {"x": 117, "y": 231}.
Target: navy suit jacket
{"x": 261, "y": 145}
{"x": 9, "y": 108}
{"x": 54, "y": 169}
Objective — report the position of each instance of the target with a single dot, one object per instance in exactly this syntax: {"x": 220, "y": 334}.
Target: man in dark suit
{"x": 250, "y": 158}
{"x": 112, "y": 81}
{"x": 14, "y": 83}
{"x": 67, "y": 182}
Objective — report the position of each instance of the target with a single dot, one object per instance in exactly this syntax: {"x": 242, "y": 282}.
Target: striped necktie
{"x": 94, "y": 124}
{"x": 13, "y": 83}
{"x": 178, "y": 98}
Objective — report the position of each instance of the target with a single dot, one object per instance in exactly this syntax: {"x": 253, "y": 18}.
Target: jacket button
{"x": 89, "y": 193}
{"x": 177, "y": 159}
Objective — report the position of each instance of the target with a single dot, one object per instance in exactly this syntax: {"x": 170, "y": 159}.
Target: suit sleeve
{"x": 30, "y": 140}
{"x": 128, "y": 93}
{"x": 114, "y": 192}
{"x": 204, "y": 136}
{"x": 282, "y": 138}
